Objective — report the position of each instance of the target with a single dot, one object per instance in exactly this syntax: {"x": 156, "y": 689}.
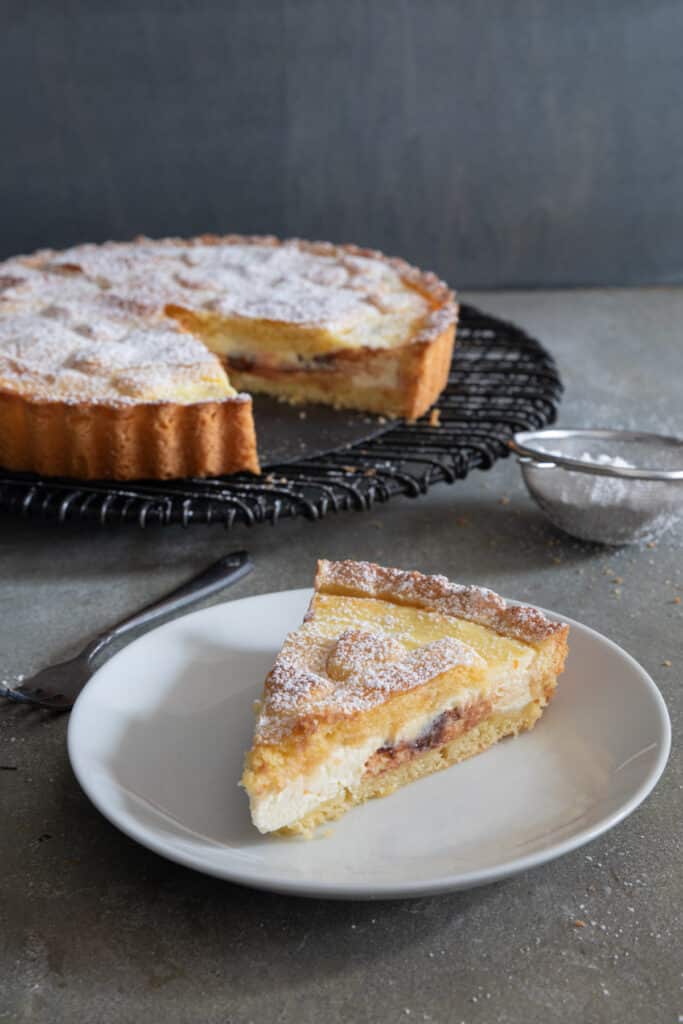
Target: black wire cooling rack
{"x": 501, "y": 381}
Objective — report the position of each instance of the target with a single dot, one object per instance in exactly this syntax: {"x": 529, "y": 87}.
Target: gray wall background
{"x": 500, "y": 142}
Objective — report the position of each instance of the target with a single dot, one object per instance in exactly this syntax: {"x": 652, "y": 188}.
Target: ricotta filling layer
{"x": 344, "y": 766}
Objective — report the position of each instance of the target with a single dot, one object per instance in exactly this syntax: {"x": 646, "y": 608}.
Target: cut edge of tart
{"x": 392, "y": 676}
{"x": 113, "y": 357}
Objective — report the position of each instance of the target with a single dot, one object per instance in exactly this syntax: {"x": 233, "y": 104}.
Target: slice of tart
{"x": 392, "y": 676}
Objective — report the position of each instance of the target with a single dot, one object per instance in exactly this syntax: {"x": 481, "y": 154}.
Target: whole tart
{"x": 136, "y": 359}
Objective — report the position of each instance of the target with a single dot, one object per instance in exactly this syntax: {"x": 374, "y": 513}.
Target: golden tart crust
{"x": 113, "y": 356}
{"x": 159, "y": 440}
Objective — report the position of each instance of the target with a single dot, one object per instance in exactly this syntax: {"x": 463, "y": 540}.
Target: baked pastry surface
{"x": 392, "y": 676}
{"x": 123, "y": 360}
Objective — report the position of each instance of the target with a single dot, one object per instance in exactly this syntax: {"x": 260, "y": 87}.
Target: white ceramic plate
{"x": 158, "y": 735}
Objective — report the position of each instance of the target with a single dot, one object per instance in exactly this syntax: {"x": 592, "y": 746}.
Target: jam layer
{"x": 445, "y": 728}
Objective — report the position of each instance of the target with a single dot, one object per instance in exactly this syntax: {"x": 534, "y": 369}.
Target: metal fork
{"x": 58, "y": 686}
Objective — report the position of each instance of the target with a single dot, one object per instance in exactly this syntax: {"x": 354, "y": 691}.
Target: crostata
{"x": 138, "y": 359}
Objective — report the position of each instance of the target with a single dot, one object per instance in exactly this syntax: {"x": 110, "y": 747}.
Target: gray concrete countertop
{"x": 95, "y": 928}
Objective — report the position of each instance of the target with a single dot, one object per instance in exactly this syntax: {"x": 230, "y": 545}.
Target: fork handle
{"x": 221, "y": 574}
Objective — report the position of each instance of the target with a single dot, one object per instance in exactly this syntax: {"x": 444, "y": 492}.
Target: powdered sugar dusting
{"x": 435, "y": 593}
{"x": 358, "y": 651}
{"x": 119, "y": 296}
{"x": 301, "y": 688}
{"x": 610, "y": 509}
{"x": 77, "y": 353}
{"x": 280, "y": 283}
